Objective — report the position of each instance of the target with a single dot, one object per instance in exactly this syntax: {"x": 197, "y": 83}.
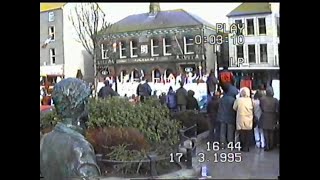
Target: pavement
{"x": 255, "y": 164}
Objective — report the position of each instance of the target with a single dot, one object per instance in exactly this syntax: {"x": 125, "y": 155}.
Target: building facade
{"x": 155, "y": 45}
{"x": 254, "y": 50}
{"x": 60, "y": 54}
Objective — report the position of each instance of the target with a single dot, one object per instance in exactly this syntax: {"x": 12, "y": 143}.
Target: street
{"x": 256, "y": 164}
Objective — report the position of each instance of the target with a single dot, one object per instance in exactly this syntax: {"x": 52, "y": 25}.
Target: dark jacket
{"x": 192, "y": 103}
{"x": 212, "y": 109}
{"x": 163, "y": 99}
{"x": 181, "y": 96}
{"x": 107, "y": 91}
{"x": 171, "y": 99}
{"x": 226, "y": 114}
{"x": 144, "y": 90}
{"x": 211, "y": 83}
{"x": 269, "y": 107}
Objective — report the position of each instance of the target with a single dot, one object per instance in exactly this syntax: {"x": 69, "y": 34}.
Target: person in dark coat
{"x": 163, "y": 98}
{"x": 144, "y": 90}
{"x": 268, "y": 120}
{"x": 107, "y": 91}
{"x": 181, "y": 97}
{"x": 192, "y": 103}
{"x": 171, "y": 99}
{"x": 212, "y": 83}
{"x": 212, "y": 110}
{"x": 227, "y": 115}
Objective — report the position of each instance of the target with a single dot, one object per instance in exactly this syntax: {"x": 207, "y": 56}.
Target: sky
{"x": 211, "y": 12}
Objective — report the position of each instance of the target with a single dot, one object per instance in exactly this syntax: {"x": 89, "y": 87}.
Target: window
{"x": 252, "y": 53}
{"x": 250, "y": 27}
{"x": 239, "y": 24}
{"x": 154, "y": 47}
{"x": 166, "y": 46}
{"x": 52, "y": 33}
{"x": 240, "y": 51}
{"x": 51, "y": 16}
{"x": 262, "y": 25}
{"x": 122, "y": 49}
{"x": 104, "y": 52}
{"x": 156, "y": 76}
{"x": 133, "y": 49}
{"x": 136, "y": 75}
{"x": 52, "y": 56}
{"x": 188, "y": 45}
{"x": 263, "y": 53}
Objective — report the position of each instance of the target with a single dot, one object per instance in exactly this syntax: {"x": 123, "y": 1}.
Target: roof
{"x": 50, "y": 6}
{"x": 163, "y": 19}
{"x": 250, "y": 8}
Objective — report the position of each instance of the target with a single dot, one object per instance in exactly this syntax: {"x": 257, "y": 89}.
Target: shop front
{"x": 49, "y": 76}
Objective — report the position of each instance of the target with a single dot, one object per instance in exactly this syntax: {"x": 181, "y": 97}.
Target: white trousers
{"x": 259, "y": 137}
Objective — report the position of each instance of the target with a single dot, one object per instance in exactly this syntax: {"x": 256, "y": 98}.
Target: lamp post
{"x": 217, "y": 51}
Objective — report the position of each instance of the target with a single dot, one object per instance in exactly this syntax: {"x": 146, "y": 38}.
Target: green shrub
{"x": 150, "y": 118}
{"x": 189, "y": 117}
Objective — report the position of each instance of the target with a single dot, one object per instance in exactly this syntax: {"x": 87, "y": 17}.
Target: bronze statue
{"x": 64, "y": 153}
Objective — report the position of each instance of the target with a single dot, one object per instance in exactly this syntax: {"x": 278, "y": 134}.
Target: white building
{"x": 255, "y": 49}
{"x": 60, "y": 53}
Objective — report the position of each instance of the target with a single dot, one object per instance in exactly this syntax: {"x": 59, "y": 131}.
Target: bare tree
{"x": 88, "y": 19}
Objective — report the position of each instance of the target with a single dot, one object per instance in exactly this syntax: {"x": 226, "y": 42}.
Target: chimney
{"x": 154, "y": 8}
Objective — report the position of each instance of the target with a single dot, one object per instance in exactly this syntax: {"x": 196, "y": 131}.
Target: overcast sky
{"x": 211, "y": 12}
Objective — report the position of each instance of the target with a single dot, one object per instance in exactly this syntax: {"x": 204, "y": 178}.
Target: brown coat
{"x": 269, "y": 116}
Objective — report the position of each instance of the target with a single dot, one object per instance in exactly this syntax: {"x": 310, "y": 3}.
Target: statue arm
{"x": 88, "y": 170}
{"x": 86, "y": 161}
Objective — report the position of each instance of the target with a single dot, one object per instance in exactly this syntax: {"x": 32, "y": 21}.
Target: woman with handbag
{"x": 244, "y": 118}
{"x": 258, "y": 132}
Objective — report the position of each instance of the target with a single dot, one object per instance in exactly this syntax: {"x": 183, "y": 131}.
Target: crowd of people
{"x": 235, "y": 114}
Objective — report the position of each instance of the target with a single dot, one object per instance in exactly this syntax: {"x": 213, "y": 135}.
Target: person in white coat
{"x": 244, "y": 118}
{"x": 258, "y": 132}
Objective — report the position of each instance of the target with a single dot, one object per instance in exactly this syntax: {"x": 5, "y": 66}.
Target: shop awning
{"x": 51, "y": 70}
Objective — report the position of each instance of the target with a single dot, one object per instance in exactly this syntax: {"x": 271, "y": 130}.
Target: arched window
{"x": 135, "y": 75}
{"x": 167, "y": 73}
{"x": 123, "y": 76}
{"x": 156, "y": 76}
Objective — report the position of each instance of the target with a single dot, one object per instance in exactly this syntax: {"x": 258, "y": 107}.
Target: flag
{"x": 46, "y": 42}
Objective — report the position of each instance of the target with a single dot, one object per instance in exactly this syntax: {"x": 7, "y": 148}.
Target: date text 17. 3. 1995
{"x": 216, "y": 39}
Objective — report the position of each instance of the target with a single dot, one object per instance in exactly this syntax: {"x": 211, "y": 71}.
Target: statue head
{"x": 70, "y": 98}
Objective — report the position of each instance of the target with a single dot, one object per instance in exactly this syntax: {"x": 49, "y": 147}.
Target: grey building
{"x": 60, "y": 53}
{"x": 158, "y": 43}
